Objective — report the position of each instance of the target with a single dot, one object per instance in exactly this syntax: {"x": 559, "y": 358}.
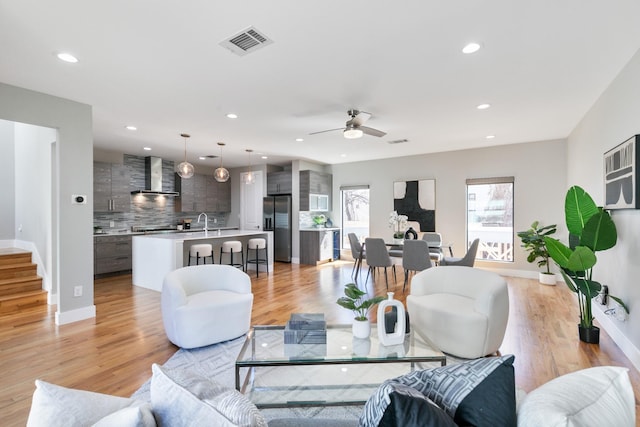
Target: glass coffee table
{"x": 344, "y": 371}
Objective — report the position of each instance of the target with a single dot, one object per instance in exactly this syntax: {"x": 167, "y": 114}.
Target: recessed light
{"x": 67, "y": 57}
{"x": 264, "y": 157}
{"x": 232, "y": 116}
{"x": 131, "y": 128}
{"x": 147, "y": 148}
{"x": 490, "y": 136}
{"x": 483, "y": 106}
{"x": 471, "y": 48}
{"x": 299, "y": 139}
{"x": 202, "y": 158}
{"x": 343, "y": 155}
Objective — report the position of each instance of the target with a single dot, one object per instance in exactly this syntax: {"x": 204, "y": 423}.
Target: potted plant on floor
{"x": 591, "y": 229}
{"x": 355, "y": 301}
{"x": 533, "y": 242}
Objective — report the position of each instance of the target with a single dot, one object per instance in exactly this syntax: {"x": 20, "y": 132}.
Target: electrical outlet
{"x": 77, "y": 291}
{"x": 215, "y": 220}
{"x": 112, "y": 224}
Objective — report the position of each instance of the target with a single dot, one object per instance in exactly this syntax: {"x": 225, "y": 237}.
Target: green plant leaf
{"x": 581, "y": 259}
{"x": 599, "y": 232}
{"x": 346, "y": 303}
{"x": 578, "y": 208}
{"x": 558, "y": 251}
{"x": 352, "y": 291}
{"x": 619, "y": 301}
{"x": 589, "y": 288}
{"x": 569, "y": 281}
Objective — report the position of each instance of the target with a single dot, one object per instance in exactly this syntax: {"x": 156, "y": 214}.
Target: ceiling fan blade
{"x": 328, "y": 130}
{"x": 359, "y": 119}
{"x": 371, "y": 131}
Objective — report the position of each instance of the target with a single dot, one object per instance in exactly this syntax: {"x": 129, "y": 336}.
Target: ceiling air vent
{"x": 397, "y": 141}
{"x": 246, "y": 41}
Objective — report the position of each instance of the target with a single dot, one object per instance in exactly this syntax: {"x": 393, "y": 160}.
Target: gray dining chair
{"x": 377, "y": 256}
{"x": 435, "y": 245}
{"x": 357, "y": 252}
{"x": 415, "y": 257}
{"x": 467, "y": 260}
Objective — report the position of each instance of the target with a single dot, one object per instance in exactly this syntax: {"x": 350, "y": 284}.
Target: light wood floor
{"x": 113, "y": 353}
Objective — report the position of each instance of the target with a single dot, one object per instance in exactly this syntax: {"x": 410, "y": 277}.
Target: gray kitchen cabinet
{"x": 279, "y": 183}
{"x": 314, "y": 183}
{"x": 111, "y": 188}
{"x": 111, "y": 254}
{"x": 202, "y": 193}
{"x": 317, "y": 246}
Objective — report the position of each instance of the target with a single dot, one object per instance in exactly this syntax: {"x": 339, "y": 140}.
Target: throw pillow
{"x": 478, "y": 392}
{"x": 54, "y": 406}
{"x": 410, "y": 408}
{"x": 183, "y": 398}
{"x": 601, "y": 396}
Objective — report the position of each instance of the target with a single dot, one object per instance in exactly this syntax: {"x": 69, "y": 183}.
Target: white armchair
{"x": 462, "y": 310}
{"x": 206, "y": 304}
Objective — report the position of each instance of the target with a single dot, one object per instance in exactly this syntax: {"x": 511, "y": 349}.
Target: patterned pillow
{"x": 479, "y": 392}
{"x": 183, "y": 398}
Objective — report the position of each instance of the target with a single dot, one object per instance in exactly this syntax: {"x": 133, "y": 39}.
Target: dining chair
{"x": 378, "y": 256}
{"x": 357, "y": 252}
{"x": 415, "y": 257}
{"x": 468, "y": 260}
{"x": 434, "y": 240}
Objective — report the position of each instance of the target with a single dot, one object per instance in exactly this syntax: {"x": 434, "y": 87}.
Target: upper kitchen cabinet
{"x": 202, "y": 193}
{"x": 315, "y": 190}
{"x": 111, "y": 188}
{"x": 279, "y": 183}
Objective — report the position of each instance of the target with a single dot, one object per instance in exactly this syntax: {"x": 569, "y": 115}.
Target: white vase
{"x": 547, "y": 279}
{"x": 397, "y": 336}
{"x": 361, "y": 328}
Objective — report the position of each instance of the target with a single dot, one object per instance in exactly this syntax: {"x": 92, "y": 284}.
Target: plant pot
{"x": 361, "y": 329}
{"x": 589, "y": 335}
{"x": 547, "y": 278}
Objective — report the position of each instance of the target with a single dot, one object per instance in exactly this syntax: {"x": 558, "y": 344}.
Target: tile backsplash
{"x": 151, "y": 210}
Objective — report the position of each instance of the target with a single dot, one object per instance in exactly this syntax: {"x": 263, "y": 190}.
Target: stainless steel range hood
{"x": 153, "y": 178}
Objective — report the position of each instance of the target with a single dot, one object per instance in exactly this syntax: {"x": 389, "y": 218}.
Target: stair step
{"x": 18, "y": 285}
{"x": 14, "y": 303}
{"x": 10, "y": 256}
{"x": 17, "y": 270}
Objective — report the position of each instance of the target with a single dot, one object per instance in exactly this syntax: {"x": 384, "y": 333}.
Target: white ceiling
{"x": 158, "y": 65}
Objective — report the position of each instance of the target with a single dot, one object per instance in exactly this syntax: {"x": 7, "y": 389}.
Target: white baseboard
{"x": 62, "y": 318}
{"x": 295, "y": 260}
{"x": 52, "y": 299}
{"x": 609, "y": 325}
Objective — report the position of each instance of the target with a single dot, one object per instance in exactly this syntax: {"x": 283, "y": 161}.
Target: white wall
{"x": 7, "y": 178}
{"x": 72, "y": 173}
{"x": 540, "y": 181}
{"x": 613, "y": 119}
{"x": 33, "y": 146}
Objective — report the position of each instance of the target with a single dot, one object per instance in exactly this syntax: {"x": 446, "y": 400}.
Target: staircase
{"x": 20, "y": 286}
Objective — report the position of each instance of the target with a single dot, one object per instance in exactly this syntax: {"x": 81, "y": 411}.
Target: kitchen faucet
{"x": 206, "y": 220}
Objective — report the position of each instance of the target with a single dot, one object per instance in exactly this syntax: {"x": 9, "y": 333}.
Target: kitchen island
{"x": 155, "y": 255}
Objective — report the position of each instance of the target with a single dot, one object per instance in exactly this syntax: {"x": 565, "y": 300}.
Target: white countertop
{"x": 320, "y": 229}
{"x": 198, "y": 235}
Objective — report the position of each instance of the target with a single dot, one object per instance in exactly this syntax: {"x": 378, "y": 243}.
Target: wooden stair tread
{"x": 21, "y": 295}
{"x": 12, "y": 251}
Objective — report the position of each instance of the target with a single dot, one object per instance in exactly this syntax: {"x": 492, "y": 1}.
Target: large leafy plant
{"x": 591, "y": 229}
{"x": 355, "y": 300}
{"x": 533, "y": 242}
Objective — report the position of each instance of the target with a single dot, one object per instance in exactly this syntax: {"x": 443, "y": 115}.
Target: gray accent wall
{"x": 7, "y": 178}
{"x": 72, "y": 173}
{"x": 613, "y": 119}
{"x": 539, "y": 169}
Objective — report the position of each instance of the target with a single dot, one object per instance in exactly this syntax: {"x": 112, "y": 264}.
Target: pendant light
{"x": 221, "y": 174}
{"x": 185, "y": 169}
{"x": 248, "y": 178}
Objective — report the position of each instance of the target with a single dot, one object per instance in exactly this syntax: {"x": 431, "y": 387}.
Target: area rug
{"x": 217, "y": 362}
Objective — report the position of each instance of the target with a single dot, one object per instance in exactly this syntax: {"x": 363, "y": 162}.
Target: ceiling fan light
{"x": 352, "y": 133}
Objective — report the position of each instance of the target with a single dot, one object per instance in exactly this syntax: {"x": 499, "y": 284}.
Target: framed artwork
{"x": 416, "y": 200}
{"x": 621, "y": 175}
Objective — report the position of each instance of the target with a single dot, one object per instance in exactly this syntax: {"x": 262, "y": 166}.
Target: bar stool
{"x": 201, "y": 251}
{"x": 256, "y": 245}
{"x": 230, "y": 247}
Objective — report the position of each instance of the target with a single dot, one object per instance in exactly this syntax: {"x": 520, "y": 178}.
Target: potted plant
{"x": 591, "y": 229}
{"x": 398, "y": 223}
{"x": 355, "y": 301}
{"x": 533, "y": 242}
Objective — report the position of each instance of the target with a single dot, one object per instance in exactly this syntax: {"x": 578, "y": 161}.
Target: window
{"x": 490, "y": 217}
{"x": 355, "y": 213}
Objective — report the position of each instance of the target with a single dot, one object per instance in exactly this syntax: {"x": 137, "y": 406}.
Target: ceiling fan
{"x": 354, "y": 126}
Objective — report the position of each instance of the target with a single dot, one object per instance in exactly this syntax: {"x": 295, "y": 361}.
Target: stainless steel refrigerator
{"x": 277, "y": 218}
